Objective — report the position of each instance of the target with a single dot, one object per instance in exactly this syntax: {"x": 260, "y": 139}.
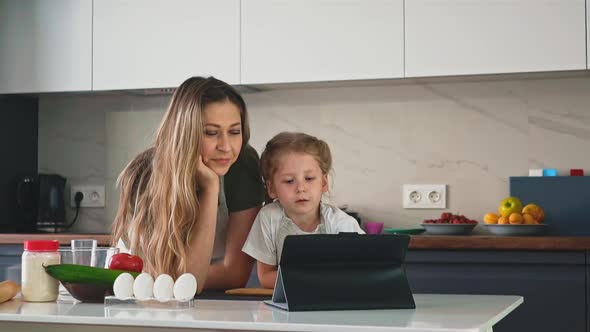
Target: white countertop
{"x": 432, "y": 313}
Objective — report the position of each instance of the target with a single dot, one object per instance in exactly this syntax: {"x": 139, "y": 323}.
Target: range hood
{"x": 170, "y": 91}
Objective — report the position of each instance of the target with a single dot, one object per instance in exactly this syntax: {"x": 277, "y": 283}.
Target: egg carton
{"x": 152, "y": 303}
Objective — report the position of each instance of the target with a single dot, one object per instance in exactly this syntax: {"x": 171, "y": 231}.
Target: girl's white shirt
{"x": 271, "y": 226}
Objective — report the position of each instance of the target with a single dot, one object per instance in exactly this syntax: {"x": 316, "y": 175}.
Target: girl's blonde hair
{"x": 286, "y": 142}
{"x": 158, "y": 205}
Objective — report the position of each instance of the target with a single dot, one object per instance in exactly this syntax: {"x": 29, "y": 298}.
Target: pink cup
{"x": 373, "y": 227}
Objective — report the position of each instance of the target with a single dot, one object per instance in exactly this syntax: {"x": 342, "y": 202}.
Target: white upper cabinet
{"x": 45, "y": 46}
{"x": 321, "y": 40}
{"x": 142, "y": 44}
{"x": 459, "y": 37}
{"x": 588, "y": 34}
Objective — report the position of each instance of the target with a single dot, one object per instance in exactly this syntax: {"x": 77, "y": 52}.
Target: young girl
{"x": 295, "y": 167}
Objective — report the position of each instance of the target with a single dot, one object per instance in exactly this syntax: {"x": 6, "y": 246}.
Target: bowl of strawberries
{"x": 449, "y": 224}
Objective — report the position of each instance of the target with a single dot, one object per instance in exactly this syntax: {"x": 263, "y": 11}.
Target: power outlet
{"x": 93, "y": 195}
{"x": 424, "y": 196}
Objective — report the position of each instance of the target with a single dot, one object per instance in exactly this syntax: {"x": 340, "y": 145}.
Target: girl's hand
{"x": 206, "y": 178}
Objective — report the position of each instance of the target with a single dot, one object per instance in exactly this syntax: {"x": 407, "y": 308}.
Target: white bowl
{"x": 515, "y": 229}
{"x": 448, "y": 229}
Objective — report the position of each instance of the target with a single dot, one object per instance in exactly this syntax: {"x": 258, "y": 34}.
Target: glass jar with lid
{"x": 36, "y": 285}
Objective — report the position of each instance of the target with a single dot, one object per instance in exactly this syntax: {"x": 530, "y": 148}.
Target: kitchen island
{"x": 476, "y": 264}
{"x": 433, "y": 313}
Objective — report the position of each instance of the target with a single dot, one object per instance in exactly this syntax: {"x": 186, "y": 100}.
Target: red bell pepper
{"x": 126, "y": 262}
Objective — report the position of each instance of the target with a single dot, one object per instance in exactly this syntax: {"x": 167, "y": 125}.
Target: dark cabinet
{"x": 587, "y": 291}
{"x": 554, "y": 284}
{"x": 10, "y": 261}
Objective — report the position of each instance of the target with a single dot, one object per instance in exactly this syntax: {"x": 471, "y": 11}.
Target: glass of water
{"x": 84, "y": 252}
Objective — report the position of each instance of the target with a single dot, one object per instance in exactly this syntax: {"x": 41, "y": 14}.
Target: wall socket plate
{"x": 424, "y": 196}
{"x": 93, "y": 195}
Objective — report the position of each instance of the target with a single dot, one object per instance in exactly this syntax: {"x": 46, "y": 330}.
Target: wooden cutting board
{"x": 250, "y": 291}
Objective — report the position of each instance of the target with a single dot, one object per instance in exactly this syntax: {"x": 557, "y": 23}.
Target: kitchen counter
{"x": 63, "y": 238}
{"x": 433, "y": 313}
{"x": 491, "y": 242}
{"x": 462, "y": 242}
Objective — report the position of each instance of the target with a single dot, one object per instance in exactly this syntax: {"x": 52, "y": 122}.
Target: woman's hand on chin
{"x": 206, "y": 177}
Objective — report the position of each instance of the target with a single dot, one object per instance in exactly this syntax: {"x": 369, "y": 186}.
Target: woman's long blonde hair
{"x": 158, "y": 204}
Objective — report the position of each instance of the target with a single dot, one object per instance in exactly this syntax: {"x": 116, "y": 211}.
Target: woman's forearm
{"x": 234, "y": 269}
{"x": 203, "y": 236}
{"x": 223, "y": 276}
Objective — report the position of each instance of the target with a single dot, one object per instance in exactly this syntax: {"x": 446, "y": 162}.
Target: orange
{"x": 515, "y": 218}
{"x": 534, "y": 210}
{"x": 491, "y": 218}
{"x": 503, "y": 220}
{"x": 529, "y": 219}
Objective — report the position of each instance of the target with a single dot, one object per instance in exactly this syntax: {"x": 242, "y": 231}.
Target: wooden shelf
{"x": 63, "y": 238}
{"x": 486, "y": 242}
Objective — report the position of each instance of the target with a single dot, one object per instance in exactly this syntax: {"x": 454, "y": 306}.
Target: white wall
{"x": 470, "y": 135}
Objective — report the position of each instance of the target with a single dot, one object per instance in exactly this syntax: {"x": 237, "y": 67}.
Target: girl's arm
{"x": 234, "y": 270}
{"x": 267, "y": 275}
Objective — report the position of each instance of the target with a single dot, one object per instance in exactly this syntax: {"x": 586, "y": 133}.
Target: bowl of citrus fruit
{"x": 514, "y": 219}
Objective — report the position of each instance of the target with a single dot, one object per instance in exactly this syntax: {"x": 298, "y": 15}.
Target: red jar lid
{"x": 42, "y": 245}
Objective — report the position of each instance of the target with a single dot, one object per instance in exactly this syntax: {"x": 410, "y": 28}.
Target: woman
{"x": 181, "y": 206}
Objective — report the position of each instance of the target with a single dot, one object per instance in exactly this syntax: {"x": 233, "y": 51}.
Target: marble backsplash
{"x": 469, "y": 135}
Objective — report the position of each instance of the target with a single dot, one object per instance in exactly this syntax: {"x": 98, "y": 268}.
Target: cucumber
{"x": 84, "y": 274}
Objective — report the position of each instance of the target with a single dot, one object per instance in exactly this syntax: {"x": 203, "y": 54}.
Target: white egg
{"x": 123, "y": 286}
{"x": 185, "y": 287}
{"x": 143, "y": 286}
{"x": 163, "y": 287}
